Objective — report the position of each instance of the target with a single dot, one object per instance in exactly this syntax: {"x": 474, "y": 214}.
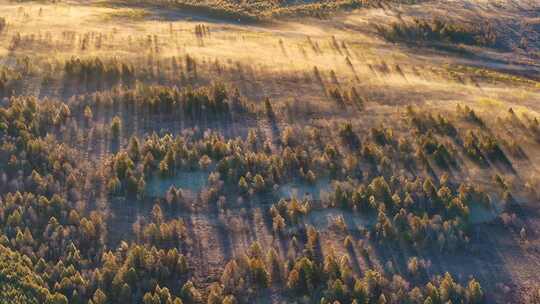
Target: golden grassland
{"x": 306, "y": 67}
{"x": 294, "y": 48}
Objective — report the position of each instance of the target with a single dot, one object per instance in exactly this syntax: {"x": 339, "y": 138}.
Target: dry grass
{"x": 297, "y": 63}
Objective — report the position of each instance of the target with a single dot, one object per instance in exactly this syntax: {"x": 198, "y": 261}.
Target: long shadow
{"x": 196, "y": 249}
{"x": 223, "y": 233}
{"x": 481, "y": 259}
{"x": 356, "y": 235}
{"x": 224, "y": 240}
{"x": 478, "y": 59}
{"x": 272, "y": 119}
{"x": 431, "y": 172}
{"x": 354, "y": 261}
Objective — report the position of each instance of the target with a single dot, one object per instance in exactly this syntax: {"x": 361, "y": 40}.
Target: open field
{"x": 270, "y": 151}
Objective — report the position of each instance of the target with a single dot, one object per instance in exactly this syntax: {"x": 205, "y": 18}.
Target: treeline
{"x": 438, "y": 30}
{"x": 161, "y": 232}
{"x": 480, "y": 145}
{"x": 259, "y": 11}
{"x": 87, "y": 74}
{"x": 255, "y": 165}
{"x": 96, "y": 73}
{"x": 320, "y": 9}
{"x": 414, "y": 211}
{"x": 10, "y": 82}
{"x": 215, "y": 102}
{"x": 329, "y": 279}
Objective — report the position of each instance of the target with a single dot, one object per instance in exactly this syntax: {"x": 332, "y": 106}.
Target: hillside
{"x": 269, "y": 152}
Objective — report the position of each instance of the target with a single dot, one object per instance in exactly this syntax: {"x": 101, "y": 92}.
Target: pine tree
{"x": 116, "y": 125}
{"x": 99, "y": 297}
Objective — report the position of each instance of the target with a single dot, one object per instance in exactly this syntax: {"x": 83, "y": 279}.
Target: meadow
{"x": 269, "y": 151}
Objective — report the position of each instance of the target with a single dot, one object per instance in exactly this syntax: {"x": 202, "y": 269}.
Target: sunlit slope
{"x": 398, "y": 139}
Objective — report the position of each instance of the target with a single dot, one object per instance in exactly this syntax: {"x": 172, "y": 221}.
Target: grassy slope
{"x": 434, "y": 89}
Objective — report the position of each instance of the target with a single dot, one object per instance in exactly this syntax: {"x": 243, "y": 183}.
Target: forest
{"x": 231, "y": 152}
